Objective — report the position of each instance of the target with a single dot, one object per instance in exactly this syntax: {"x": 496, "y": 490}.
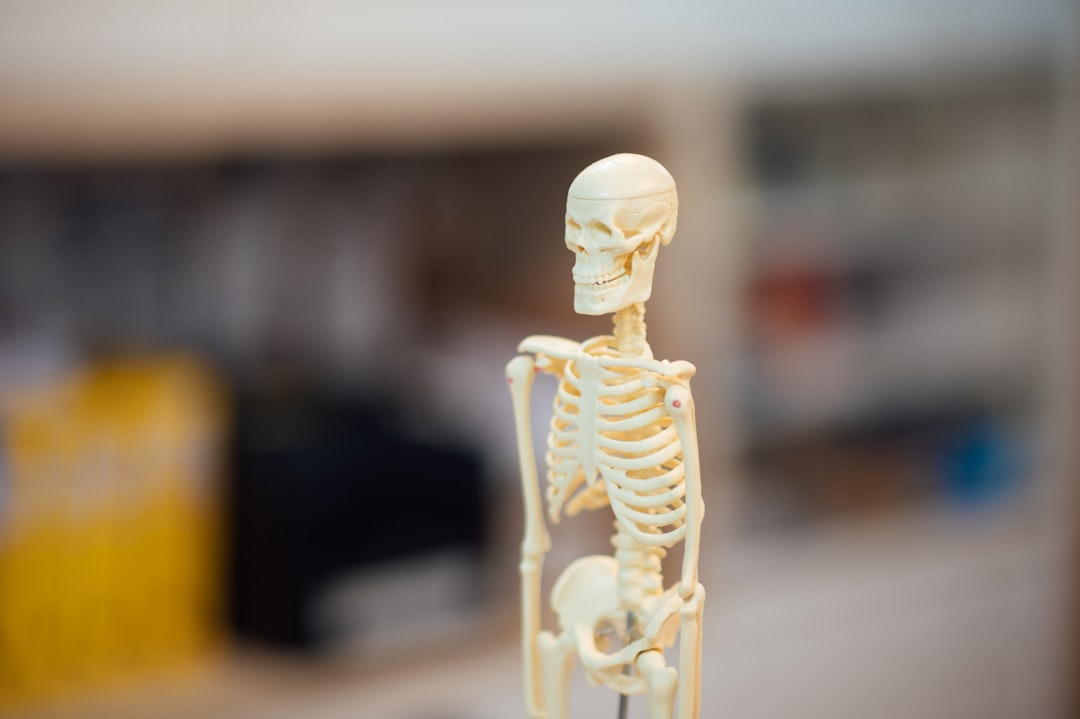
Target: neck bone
{"x": 630, "y": 331}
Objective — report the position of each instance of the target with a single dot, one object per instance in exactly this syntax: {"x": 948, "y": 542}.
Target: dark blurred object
{"x": 325, "y": 487}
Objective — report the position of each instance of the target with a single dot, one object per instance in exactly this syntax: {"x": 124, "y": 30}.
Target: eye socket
{"x": 601, "y": 228}
{"x": 571, "y": 223}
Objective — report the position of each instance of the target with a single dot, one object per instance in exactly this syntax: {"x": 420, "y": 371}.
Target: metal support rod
{"x": 624, "y": 700}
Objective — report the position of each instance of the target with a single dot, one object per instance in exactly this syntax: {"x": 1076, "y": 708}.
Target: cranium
{"x": 619, "y": 210}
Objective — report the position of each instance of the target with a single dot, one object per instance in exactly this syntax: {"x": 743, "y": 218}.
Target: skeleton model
{"x": 622, "y": 435}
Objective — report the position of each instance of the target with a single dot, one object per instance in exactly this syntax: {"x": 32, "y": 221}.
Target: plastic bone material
{"x": 623, "y": 436}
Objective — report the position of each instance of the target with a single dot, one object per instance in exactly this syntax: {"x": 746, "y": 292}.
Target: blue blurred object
{"x": 979, "y": 465}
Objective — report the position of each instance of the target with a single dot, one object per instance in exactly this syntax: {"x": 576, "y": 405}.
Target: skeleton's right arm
{"x": 519, "y": 375}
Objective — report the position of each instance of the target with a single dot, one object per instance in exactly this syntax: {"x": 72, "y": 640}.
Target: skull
{"x": 619, "y": 210}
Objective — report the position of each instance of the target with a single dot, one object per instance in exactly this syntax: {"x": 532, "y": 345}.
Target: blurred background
{"x": 262, "y": 264}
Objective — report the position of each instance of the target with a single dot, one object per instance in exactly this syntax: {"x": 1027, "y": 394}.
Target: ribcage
{"x": 612, "y": 442}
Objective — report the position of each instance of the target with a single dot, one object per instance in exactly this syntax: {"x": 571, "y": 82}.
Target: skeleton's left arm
{"x": 680, "y": 404}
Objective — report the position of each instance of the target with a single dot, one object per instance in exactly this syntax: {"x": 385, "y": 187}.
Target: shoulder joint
{"x": 678, "y": 400}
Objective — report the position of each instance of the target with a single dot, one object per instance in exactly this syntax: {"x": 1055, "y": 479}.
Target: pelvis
{"x": 585, "y": 598}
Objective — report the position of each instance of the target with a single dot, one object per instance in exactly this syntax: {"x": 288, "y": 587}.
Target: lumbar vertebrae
{"x": 622, "y": 435}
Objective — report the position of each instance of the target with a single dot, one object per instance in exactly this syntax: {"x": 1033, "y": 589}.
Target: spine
{"x": 630, "y": 332}
{"x": 639, "y": 574}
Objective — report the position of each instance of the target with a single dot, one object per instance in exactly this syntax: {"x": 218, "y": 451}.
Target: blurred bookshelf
{"x": 896, "y": 310}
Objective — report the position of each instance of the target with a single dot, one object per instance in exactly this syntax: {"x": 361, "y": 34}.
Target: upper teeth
{"x": 598, "y": 280}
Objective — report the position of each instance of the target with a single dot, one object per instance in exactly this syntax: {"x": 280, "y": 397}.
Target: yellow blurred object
{"x": 109, "y": 538}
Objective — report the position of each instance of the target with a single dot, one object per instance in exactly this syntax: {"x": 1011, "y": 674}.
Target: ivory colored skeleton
{"x": 623, "y": 436}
